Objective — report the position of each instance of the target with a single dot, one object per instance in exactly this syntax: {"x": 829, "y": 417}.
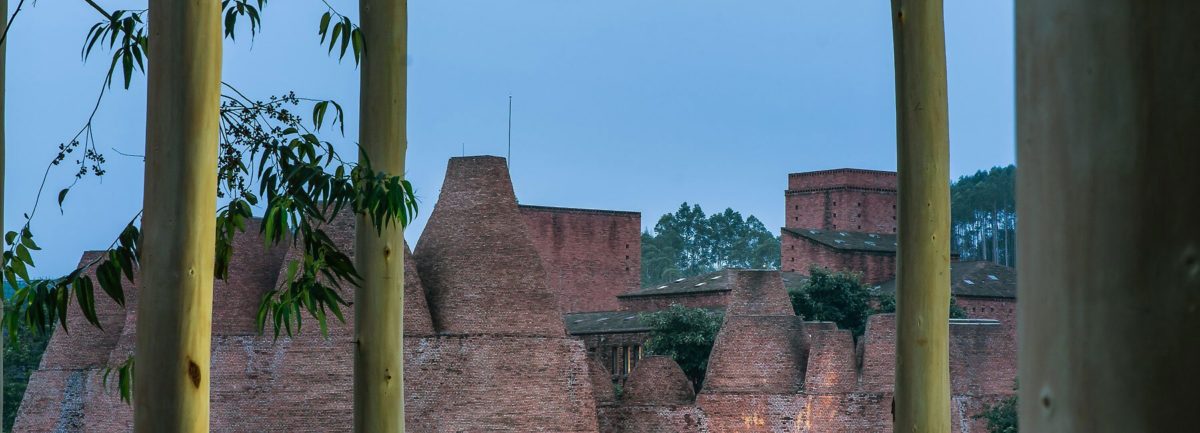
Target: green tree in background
{"x": 21, "y": 359}
{"x": 983, "y": 215}
{"x": 686, "y": 335}
{"x": 838, "y": 297}
{"x": 688, "y": 243}
{"x": 1001, "y": 418}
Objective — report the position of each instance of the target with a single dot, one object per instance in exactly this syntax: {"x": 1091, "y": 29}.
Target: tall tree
{"x": 922, "y": 396}
{"x": 174, "y": 326}
{"x": 686, "y": 335}
{"x": 379, "y": 246}
{"x": 1107, "y": 133}
{"x": 688, "y": 243}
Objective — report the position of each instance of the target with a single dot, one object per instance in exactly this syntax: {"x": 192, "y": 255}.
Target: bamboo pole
{"x": 379, "y": 302}
{"x": 175, "y": 303}
{"x": 1109, "y": 245}
{"x": 922, "y": 396}
{"x": 3, "y": 119}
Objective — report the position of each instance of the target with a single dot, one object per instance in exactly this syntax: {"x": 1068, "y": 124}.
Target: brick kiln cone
{"x": 481, "y": 271}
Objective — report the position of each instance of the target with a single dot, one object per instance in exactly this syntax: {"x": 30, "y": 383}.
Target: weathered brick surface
{"x": 236, "y": 298}
{"x": 602, "y": 384}
{"x": 658, "y": 380}
{"x": 82, "y": 345}
{"x": 481, "y": 271}
{"x": 1001, "y": 309}
{"x": 842, "y": 199}
{"x": 652, "y": 419}
{"x": 758, "y": 354}
{"x": 757, "y": 293}
{"x": 590, "y": 256}
{"x": 799, "y": 254}
{"x": 510, "y": 384}
{"x": 831, "y": 361}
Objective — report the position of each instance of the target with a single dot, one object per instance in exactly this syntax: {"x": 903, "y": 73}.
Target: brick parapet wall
{"x": 800, "y": 253}
{"x": 832, "y": 365}
{"x": 843, "y": 199}
{"x": 658, "y": 381}
{"x": 590, "y": 256}
{"x": 758, "y": 293}
{"x": 1001, "y": 309}
{"x": 760, "y": 354}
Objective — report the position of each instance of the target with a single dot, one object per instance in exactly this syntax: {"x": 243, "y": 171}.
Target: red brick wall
{"x": 759, "y": 354}
{"x": 831, "y": 362}
{"x": 590, "y": 256}
{"x": 658, "y": 380}
{"x": 691, "y": 300}
{"x": 651, "y": 419}
{"x": 757, "y": 293}
{"x": 845, "y": 199}
{"x": 800, "y": 253}
{"x": 1004, "y": 310}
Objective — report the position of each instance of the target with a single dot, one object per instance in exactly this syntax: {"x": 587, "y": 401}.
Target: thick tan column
{"x": 379, "y": 302}
{"x": 174, "y": 325}
{"x": 1108, "y": 152}
{"x": 922, "y": 398}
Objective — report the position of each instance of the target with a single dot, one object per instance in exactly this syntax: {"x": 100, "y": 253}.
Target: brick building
{"x": 491, "y": 345}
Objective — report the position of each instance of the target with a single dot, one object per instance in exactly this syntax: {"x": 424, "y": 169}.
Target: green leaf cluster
{"x": 129, "y": 29}
{"x": 688, "y": 243}
{"x": 343, "y": 33}
{"x": 304, "y": 184}
{"x": 686, "y": 335}
{"x": 21, "y": 359}
{"x": 838, "y": 297}
{"x": 1001, "y": 417}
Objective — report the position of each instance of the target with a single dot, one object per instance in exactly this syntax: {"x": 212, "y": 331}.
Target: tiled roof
{"x": 975, "y": 279}
{"x": 848, "y": 241}
{"x": 609, "y": 322}
{"x": 710, "y": 282}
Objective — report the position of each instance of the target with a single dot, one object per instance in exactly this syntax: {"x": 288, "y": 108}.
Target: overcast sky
{"x": 621, "y": 104}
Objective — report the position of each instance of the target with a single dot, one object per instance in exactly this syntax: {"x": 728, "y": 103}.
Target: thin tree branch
{"x": 10, "y": 22}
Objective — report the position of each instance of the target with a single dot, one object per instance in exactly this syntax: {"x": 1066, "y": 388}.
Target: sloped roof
{"x": 610, "y": 322}
{"x": 711, "y": 282}
{"x": 982, "y": 279}
{"x": 847, "y": 240}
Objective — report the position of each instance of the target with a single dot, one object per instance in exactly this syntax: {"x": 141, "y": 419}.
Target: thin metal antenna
{"x": 509, "y": 157}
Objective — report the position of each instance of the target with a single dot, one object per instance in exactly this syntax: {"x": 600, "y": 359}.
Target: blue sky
{"x": 622, "y": 104}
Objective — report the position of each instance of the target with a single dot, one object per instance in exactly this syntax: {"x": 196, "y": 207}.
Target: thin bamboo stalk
{"x": 922, "y": 396}
{"x": 171, "y": 380}
{"x": 379, "y": 302}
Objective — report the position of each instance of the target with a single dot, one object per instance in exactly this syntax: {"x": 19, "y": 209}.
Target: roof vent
{"x": 812, "y": 232}
{"x": 841, "y": 233}
{"x": 873, "y": 235}
{"x": 601, "y": 319}
{"x": 630, "y": 317}
{"x": 699, "y": 284}
{"x": 993, "y": 277}
{"x": 839, "y": 241}
{"x": 969, "y": 282}
{"x": 661, "y": 287}
{"x": 681, "y": 279}
{"x": 716, "y": 277}
{"x": 869, "y": 243}
{"x": 578, "y": 320}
